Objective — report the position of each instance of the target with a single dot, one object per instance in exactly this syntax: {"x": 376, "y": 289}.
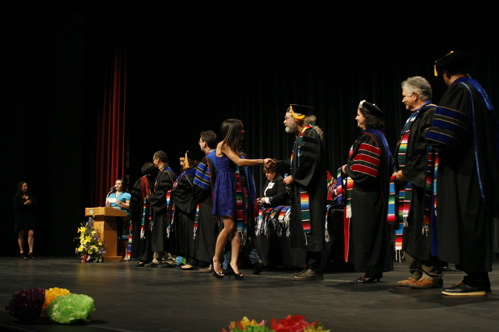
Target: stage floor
{"x": 128, "y": 298}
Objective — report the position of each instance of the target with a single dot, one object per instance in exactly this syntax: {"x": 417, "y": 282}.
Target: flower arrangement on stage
{"x": 58, "y": 304}
{"x": 91, "y": 247}
{"x": 294, "y": 323}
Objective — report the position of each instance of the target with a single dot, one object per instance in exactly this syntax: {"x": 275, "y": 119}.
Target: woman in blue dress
{"x": 231, "y": 197}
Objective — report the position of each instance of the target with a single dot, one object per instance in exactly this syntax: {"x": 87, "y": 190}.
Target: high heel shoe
{"x": 237, "y": 276}
{"x": 374, "y": 278}
{"x": 218, "y": 275}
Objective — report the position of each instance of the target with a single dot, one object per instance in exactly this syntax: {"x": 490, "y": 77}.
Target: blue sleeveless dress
{"x": 224, "y": 192}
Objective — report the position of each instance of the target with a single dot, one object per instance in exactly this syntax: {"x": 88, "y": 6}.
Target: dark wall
{"x": 189, "y": 68}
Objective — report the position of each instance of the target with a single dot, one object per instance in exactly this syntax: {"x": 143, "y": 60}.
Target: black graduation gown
{"x": 369, "y": 248}
{"x": 310, "y": 174}
{"x": 141, "y": 248}
{"x": 164, "y": 182}
{"x": 185, "y": 210}
{"x": 415, "y": 242}
{"x": 208, "y": 226}
{"x": 464, "y": 223}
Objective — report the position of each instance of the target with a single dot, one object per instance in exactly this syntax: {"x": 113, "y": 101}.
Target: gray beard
{"x": 290, "y": 129}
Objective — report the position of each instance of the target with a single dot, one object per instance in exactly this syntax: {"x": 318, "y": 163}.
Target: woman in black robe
{"x": 141, "y": 214}
{"x": 368, "y": 170}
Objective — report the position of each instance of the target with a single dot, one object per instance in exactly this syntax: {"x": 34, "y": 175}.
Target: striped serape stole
{"x": 392, "y": 201}
{"x": 202, "y": 177}
{"x": 241, "y": 202}
{"x": 305, "y": 211}
{"x": 146, "y": 214}
{"x": 196, "y": 221}
{"x": 347, "y": 215}
{"x": 339, "y": 188}
{"x": 170, "y": 212}
{"x": 428, "y": 193}
{"x": 327, "y": 236}
{"x": 259, "y": 227}
{"x": 303, "y": 194}
{"x": 332, "y": 187}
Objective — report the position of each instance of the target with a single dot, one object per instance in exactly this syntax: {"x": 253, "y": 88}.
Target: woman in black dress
{"x": 25, "y": 207}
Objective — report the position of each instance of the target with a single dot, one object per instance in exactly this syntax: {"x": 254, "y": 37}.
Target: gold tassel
{"x": 186, "y": 162}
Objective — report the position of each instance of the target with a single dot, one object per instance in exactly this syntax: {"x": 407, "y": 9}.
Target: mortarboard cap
{"x": 455, "y": 62}
{"x": 300, "y": 111}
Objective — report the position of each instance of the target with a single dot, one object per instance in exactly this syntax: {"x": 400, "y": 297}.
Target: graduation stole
{"x": 348, "y": 183}
{"x": 428, "y": 198}
{"x": 146, "y": 208}
{"x": 242, "y": 200}
{"x": 347, "y": 214}
{"x": 196, "y": 221}
{"x": 202, "y": 177}
{"x": 399, "y": 203}
{"x": 304, "y": 197}
{"x": 339, "y": 189}
{"x": 434, "y": 247}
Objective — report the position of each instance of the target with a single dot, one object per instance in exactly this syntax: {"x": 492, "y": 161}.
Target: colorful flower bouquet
{"x": 58, "y": 304}
{"x": 91, "y": 247}
{"x": 294, "y": 323}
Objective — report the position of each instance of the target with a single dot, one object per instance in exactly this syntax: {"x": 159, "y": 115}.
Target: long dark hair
{"x": 231, "y": 130}
{"x": 19, "y": 191}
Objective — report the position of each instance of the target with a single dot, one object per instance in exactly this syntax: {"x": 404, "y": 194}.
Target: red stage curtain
{"x": 111, "y": 134}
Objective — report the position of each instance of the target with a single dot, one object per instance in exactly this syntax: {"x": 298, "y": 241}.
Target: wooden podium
{"x": 107, "y": 226}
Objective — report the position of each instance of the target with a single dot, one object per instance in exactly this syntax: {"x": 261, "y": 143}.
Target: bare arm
{"x": 226, "y": 150}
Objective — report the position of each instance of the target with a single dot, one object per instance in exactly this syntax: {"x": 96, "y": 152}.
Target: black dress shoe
{"x": 309, "y": 275}
{"x": 258, "y": 267}
{"x": 462, "y": 289}
{"x": 152, "y": 265}
{"x": 366, "y": 279}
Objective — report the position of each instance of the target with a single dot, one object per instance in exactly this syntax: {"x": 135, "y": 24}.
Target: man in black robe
{"x": 204, "y": 179}
{"x": 413, "y": 154}
{"x": 306, "y": 176}
{"x": 468, "y": 174}
{"x": 183, "y": 229}
{"x": 164, "y": 182}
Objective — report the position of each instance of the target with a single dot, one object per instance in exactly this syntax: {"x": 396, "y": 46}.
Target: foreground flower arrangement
{"x": 294, "y": 323}
{"x": 57, "y": 304}
{"x": 91, "y": 247}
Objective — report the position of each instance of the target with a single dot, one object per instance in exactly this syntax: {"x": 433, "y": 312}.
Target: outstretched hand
{"x": 269, "y": 163}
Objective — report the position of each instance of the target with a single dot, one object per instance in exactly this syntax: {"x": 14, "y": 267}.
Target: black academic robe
{"x": 164, "y": 182}
{"x": 208, "y": 223}
{"x": 416, "y": 243}
{"x": 141, "y": 247}
{"x": 464, "y": 221}
{"x": 309, "y": 173}
{"x": 182, "y": 232}
{"x": 369, "y": 168}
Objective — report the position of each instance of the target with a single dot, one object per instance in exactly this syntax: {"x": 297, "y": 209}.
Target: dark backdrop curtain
{"x": 110, "y": 150}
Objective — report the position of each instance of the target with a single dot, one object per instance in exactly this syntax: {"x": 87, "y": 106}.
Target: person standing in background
{"x": 25, "y": 206}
